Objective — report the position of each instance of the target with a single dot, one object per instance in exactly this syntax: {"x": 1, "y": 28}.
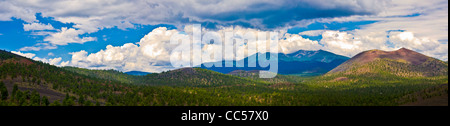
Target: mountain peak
{"x": 317, "y": 55}
{"x": 400, "y": 54}
{"x": 403, "y": 48}
{"x": 400, "y": 60}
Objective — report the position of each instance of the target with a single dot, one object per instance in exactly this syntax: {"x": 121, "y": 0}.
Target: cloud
{"x": 41, "y": 33}
{"x": 153, "y": 52}
{"x": 63, "y": 36}
{"x": 51, "y": 61}
{"x": 424, "y": 24}
{"x": 90, "y": 16}
{"x": 64, "y": 63}
{"x": 352, "y": 43}
{"x": 424, "y": 19}
{"x": 341, "y": 43}
{"x": 38, "y": 46}
{"x": 68, "y": 35}
{"x": 425, "y": 45}
{"x": 312, "y": 32}
{"x": 149, "y": 54}
{"x": 37, "y": 26}
{"x": 27, "y": 55}
{"x": 8, "y": 10}
{"x": 295, "y": 42}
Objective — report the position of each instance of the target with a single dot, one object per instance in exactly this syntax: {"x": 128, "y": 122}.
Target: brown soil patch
{"x": 441, "y": 100}
{"x": 42, "y": 89}
{"x": 433, "y": 101}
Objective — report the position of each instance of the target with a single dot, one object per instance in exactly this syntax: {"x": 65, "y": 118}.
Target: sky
{"x": 135, "y": 35}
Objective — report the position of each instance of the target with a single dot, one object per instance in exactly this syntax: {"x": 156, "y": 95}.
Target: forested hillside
{"x": 254, "y": 75}
{"x": 112, "y": 75}
{"x": 180, "y": 77}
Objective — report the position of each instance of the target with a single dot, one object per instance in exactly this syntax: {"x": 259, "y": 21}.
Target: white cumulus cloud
{"x": 150, "y": 54}
{"x": 51, "y": 61}
{"x": 38, "y": 46}
{"x": 37, "y": 26}
{"x": 27, "y": 55}
{"x": 68, "y": 35}
{"x": 295, "y": 42}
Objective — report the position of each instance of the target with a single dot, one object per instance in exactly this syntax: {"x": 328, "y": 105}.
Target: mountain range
{"x": 137, "y": 73}
{"x": 302, "y": 62}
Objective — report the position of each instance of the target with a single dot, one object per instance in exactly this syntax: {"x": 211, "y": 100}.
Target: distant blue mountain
{"x": 303, "y": 63}
{"x": 137, "y": 73}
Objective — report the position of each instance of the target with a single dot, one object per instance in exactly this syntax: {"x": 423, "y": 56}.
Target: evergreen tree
{"x": 87, "y": 103}
{"x": 81, "y": 100}
{"x": 45, "y": 101}
{"x": 55, "y": 103}
{"x": 14, "y": 91}
{"x": 68, "y": 101}
{"x": 67, "y": 96}
{"x": 97, "y": 103}
{"x": 3, "y": 90}
{"x": 33, "y": 80}
{"x": 21, "y": 98}
{"x": 35, "y": 98}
